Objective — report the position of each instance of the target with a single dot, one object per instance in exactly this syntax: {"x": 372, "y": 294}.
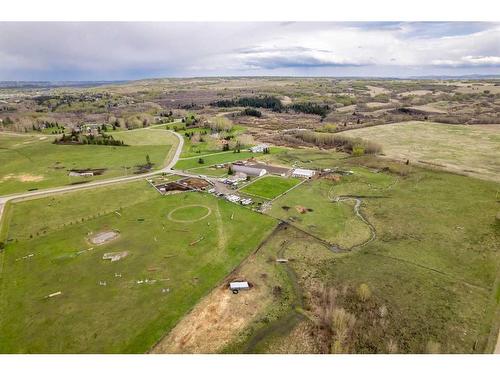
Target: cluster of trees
{"x": 116, "y": 122}
{"x": 220, "y": 124}
{"x": 195, "y": 137}
{"x": 56, "y": 128}
{"x": 269, "y": 102}
{"x": 312, "y": 108}
{"x": 272, "y": 103}
{"x": 190, "y": 120}
{"x": 7, "y": 121}
{"x": 251, "y": 112}
{"x": 80, "y": 139}
{"x": 141, "y": 120}
{"x": 166, "y": 117}
{"x": 355, "y": 146}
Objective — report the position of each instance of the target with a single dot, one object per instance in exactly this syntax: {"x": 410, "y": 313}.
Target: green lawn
{"x": 270, "y": 187}
{"x": 123, "y": 316}
{"x": 210, "y": 171}
{"x": 34, "y": 162}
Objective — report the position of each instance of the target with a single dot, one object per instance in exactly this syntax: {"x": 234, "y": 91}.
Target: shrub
{"x": 358, "y": 150}
{"x": 328, "y": 128}
{"x": 335, "y": 140}
{"x": 251, "y": 112}
{"x": 364, "y": 293}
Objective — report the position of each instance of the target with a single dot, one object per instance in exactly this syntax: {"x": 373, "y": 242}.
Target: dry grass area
{"x": 218, "y": 318}
{"x": 375, "y": 90}
{"x": 479, "y": 88}
{"x": 416, "y": 93}
{"x": 214, "y": 322}
{"x": 467, "y": 149}
{"x": 23, "y": 177}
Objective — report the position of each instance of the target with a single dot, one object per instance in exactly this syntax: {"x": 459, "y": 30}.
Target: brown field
{"x": 470, "y": 150}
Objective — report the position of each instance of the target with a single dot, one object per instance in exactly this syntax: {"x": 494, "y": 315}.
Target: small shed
{"x": 236, "y": 286}
{"x": 259, "y": 148}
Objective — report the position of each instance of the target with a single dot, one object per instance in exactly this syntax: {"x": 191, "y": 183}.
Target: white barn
{"x": 249, "y": 171}
{"x": 303, "y": 173}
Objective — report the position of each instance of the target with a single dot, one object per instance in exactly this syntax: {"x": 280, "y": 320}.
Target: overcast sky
{"x": 116, "y": 51}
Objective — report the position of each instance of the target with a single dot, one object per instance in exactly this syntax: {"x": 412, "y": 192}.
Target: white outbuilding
{"x": 236, "y": 286}
{"x": 259, "y": 148}
{"x": 303, "y": 173}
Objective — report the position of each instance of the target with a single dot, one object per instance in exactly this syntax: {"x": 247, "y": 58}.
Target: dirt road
{"x": 166, "y": 169}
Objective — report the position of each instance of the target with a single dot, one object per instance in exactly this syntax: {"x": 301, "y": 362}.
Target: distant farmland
{"x": 467, "y": 149}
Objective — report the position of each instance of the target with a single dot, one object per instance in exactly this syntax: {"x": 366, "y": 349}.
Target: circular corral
{"x": 185, "y": 212}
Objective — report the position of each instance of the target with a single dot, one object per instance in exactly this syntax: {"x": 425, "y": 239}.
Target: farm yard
{"x": 220, "y": 158}
{"x": 34, "y": 162}
{"x": 423, "y": 250}
{"x": 178, "y": 248}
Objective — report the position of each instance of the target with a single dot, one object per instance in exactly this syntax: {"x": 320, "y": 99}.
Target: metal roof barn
{"x": 237, "y": 285}
{"x": 249, "y": 170}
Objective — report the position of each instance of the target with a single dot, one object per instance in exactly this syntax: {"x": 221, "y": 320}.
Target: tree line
{"x": 274, "y": 104}
{"x": 80, "y": 139}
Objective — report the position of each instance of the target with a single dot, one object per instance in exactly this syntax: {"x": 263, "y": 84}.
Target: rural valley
{"x": 250, "y": 215}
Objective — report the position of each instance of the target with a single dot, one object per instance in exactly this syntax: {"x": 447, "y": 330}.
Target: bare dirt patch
{"x": 213, "y": 323}
{"x": 113, "y": 257}
{"x": 195, "y": 183}
{"x": 25, "y": 177}
{"x": 103, "y": 237}
{"x": 375, "y": 90}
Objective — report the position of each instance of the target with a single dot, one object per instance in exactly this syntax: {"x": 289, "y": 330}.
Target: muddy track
{"x": 290, "y": 319}
{"x": 335, "y": 247}
{"x": 358, "y": 213}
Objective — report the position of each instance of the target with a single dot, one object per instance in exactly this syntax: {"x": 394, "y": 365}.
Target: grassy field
{"x": 432, "y": 270}
{"x": 209, "y": 145}
{"x": 144, "y": 137}
{"x": 270, "y": 187}
{"x": 171, "y": 264}
{"x": 210, "y": 171}
{"x": 305, "y": 158}
{"x": 310, "y": 207}
{"x": 220, "y": 158}
{"x": 34, "y": 162}
{"x": 468, "y": 149}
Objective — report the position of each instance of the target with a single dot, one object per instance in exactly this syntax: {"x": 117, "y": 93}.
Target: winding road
{"x": 166, "y": 169}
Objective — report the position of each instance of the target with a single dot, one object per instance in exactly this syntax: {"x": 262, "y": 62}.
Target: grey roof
{"x": 248, "y": 170}
{"x": 239, "y": 285}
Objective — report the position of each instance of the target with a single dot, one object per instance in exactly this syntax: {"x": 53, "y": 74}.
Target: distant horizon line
{"x": 427, "y": 77}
